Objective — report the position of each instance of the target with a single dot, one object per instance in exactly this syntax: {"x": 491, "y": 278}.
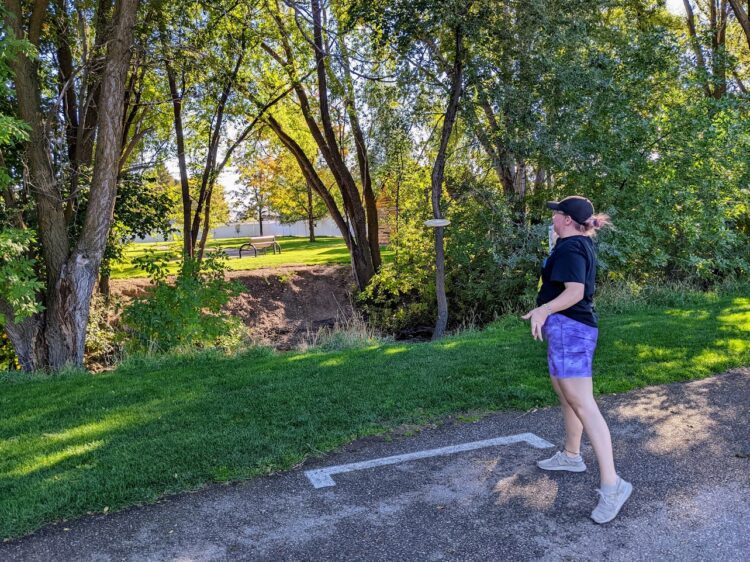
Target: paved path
{"x": 685, "y": 447}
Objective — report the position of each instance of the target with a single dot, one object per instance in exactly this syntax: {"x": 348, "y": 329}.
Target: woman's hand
{"x": 538, "y": 317}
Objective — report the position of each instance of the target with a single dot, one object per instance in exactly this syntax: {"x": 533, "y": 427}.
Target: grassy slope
{"x": 294, "y": 251}
{"x": 80, "y": 443}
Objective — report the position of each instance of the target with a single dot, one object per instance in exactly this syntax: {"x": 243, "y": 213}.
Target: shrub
{"x": 493, "y": 260}
{"x": 402, "y": 294}
{"x": 104, "y": 338}
{"x": 184, "y": 314}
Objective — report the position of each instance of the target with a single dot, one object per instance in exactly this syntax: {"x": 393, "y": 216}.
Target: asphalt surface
{"x": 685, "y": 447}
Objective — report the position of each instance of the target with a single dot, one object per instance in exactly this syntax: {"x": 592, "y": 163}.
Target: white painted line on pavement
{"x": 321, "y": 477}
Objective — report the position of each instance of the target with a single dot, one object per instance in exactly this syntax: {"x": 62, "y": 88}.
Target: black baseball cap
{"x": 575, "y": 206}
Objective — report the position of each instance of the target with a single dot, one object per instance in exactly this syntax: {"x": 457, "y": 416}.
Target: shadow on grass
{"x": 75, "y": 445}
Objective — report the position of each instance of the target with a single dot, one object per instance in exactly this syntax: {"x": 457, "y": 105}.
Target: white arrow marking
{"x": 321, "y": 477}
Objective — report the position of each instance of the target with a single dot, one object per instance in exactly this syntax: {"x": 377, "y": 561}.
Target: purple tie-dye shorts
{"x": 570, "y": 346}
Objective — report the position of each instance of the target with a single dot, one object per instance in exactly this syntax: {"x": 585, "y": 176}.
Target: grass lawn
{"x": 294, "y": 251}
{"x": 83, "y": 443}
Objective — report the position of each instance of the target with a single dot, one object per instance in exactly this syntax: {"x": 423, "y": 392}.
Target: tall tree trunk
{"x": 742, "y": 16}
{"x": 349, "y": 192}
{"x": 68, "y": 311}
{"x": 187, "y": 214}
{"x": 58, "y": 334}
{"x": 206, "y": 219}
{"x": 310, "y": 217}
{"x": 499, "y": 155}
{"x": 356, "y": 236}
{"x": 363, "y": 159}
{"x": 696, "y": 45}
{"x": 176, "y": 96}
{"x": 91, "y": 104}
{"x": 50, "y": 215}
{"x": 362, "y": 273}
{"x": 210, "y": 172}
{"x": 438, "y": 171}
{"x": 718, "y": 20}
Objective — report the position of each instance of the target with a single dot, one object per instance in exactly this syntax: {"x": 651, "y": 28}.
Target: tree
{"x": 273, "y": 185}
{"x": 742, "y": 18}
{"x": 55, "y": 336}
{"x": 438, "y": 32}
{"x": 205, "y": 81}
{"x": 141, "y": 209}
{"x": 257, "y": 176}
{"x": 712, "y": 73}
{"x": 293, "y": 200}
{"x": 300, "y": 39}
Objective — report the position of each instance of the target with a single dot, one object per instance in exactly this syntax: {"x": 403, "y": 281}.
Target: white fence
{"x": 323, "y": 227}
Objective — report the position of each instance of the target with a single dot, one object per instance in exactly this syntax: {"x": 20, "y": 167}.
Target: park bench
{"x": 256, "y": 243}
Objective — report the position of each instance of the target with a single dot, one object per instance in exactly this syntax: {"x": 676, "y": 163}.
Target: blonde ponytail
{"x": 593, "y": 224}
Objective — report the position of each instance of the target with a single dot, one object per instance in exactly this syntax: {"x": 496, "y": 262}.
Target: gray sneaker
{"x": 610, "y": 504}
{"x": 561, "y": 461}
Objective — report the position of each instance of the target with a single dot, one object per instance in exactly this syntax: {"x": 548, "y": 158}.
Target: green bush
{"x": 104, "y": 336}
{"x": 184, "y": 314}
{"x": 19, "y": 284}
{"x": 493, "y": 259}
{"x": 8, "y": 359}
{"x": 681, "y": 207}
{"x": 402, "y": 294}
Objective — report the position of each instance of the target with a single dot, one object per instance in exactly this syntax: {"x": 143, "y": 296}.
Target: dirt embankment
{"x": 281, "y": 306}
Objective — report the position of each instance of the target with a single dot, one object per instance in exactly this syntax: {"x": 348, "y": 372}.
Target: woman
{"x": 565, "y": 317}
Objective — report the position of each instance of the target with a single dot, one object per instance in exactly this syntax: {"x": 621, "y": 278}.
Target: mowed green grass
{"x": 85, "y": 443}
{"x": 294, "y": 251}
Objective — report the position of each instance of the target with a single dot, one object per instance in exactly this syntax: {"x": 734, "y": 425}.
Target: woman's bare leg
{"x": 573, "y": 425}
{"x": 579, "y": 394}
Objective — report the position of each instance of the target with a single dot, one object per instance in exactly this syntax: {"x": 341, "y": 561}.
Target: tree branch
{"x": 250, "y": 127}
{"x": 740, "y": 84}
{"x": 742, "y": 17}
{"x": 690, "y": 18}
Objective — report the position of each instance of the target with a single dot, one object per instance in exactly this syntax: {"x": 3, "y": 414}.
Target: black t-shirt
{"x": 573, "y": 260}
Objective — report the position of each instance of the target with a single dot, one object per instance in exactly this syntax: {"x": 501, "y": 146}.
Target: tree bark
{"x": 209, "y": 170}
{"x": 438, "y": 172}
{"x": 363, "y": 159}
{"x": 742, "y": 17}
{"x": 695, "y": 43}
{"x": 56, "y": 337}
{"x": 204, "y": 232}
{"x": 90, "y": 106}
{"x": 310, "y": 218}
{"x": 179, "y": 131}
{"x": 499, "y": 155}
{"x": 349, "y": 190}
{"x": 362, "y": 273}
{"x": 104, "y": 287}
{"x": 53, "y": 233}
{"x": 68, "y": 311}
{"x": 364, "y": 252}
{"x": 718, "y": 20}
{"x": 27, "y": 337}
{"x": 67, "y": 87}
